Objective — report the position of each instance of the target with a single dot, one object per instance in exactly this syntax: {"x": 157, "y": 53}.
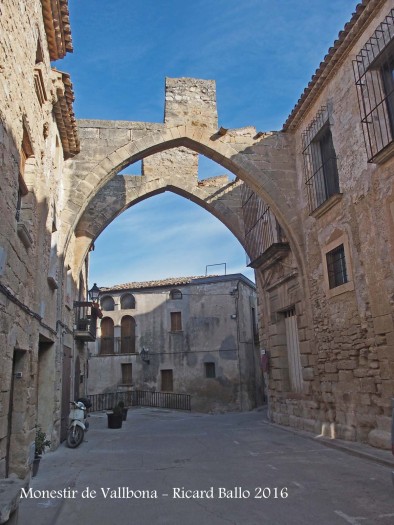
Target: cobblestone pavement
{"x": 198, "y": 469}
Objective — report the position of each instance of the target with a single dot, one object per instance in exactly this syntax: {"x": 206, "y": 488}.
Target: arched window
{"x": 176, "y": 294}
{"x": 107, "y": 304}
{"x": 107, "y": 336}
{"x": 127, "y": 331}
{"x": 127, "y": 301}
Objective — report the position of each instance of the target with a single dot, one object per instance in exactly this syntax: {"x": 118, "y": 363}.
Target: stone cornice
{"x": 364, "y": 12}
{"x": 57, "y": 27}
{"x": 64, "y": 113}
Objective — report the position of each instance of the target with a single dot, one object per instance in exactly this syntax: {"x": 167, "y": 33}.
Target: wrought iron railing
{"x": 116, "y": 345}
{"x": 262, "y": 230}
{"x": 143, "y": 398}
{"x": 86, "y": 314}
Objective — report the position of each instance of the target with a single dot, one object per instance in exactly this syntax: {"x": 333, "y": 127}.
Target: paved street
{"x": 169, "y": 454}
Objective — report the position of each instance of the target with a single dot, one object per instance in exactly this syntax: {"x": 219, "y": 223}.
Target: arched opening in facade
{"x": 107, "y": 304}
{"x": 127, "y": 302}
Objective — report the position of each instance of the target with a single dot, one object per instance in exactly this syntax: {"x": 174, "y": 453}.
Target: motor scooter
{"x": 78, "y": 422}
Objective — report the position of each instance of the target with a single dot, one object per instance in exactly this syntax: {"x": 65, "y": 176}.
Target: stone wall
{"x": 347, "y": 357}
{"x": 33, "y": 323}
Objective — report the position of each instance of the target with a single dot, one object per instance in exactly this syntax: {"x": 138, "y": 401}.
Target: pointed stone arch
{"x": 263, "y": 161}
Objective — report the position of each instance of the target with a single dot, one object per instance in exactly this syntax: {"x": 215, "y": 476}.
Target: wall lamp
{"x": 145, "y": 355}
{"x": 94, "y": 293}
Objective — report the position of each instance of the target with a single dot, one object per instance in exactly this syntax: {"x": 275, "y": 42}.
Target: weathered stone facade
{"x": 345, "y": 332}
{"x": 37, "y": 133}
{"x": 324, "y": 273}
{"x": 211, "y": 354}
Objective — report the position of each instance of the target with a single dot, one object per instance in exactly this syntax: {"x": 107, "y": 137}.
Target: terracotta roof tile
{"x": 57, "y": 27}
{"x": 170, "y": 281}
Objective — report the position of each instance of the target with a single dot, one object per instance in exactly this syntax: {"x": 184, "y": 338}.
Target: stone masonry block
{"x": 380, "y": 439}
{"x": 307, "y": 374}
{"x": 383, "y": 324}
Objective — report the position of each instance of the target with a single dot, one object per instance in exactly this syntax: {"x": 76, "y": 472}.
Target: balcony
{"x": 86, "y": 315}
{"x": 265, "y": 241}
{"x": 116, "y": 345}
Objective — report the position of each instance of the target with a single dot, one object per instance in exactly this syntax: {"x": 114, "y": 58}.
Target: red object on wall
{"x": 264, "y": 362}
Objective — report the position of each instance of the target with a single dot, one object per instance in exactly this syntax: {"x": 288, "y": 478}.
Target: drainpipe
{"x": 238, "y": 343}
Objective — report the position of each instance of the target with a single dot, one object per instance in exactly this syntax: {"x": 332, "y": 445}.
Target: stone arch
{"x": 107, "y": 303}
{"x": 127, "y": 301}
{"x": 114, "y": 198}
{"x": 241, "y": 163}
{"x": 263, "y": 161}
{"x": 127, "y": 335}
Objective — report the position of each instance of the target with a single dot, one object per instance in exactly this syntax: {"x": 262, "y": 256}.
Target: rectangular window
{"x": 336, "y": 267}
{"x": 374, "y": 76}
{"x": 167, "y": 382}
{"x": 127, "y": 373}
{"x": 210, "y": 370}
{"x": 176, "y": 322}
{"x": 26, "y": 152}
{"x": 320, "y": 161}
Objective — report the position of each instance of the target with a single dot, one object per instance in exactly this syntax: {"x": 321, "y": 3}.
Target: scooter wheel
{"x": 75, "y": 437}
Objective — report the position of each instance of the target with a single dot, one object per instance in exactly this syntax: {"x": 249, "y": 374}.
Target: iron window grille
{"x": 374, "y": 76}
{"x": 336, "y": 267}
{"x": 321, "y": 171}
{"x": 262, "y": 230}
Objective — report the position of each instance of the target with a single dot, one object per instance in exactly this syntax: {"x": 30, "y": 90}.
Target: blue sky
{"x": 261, "y": 53}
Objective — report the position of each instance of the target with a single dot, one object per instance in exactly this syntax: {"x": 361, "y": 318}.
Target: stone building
{"x": 199, "y": 333}
{"x": 327, "y": 297}
{"x": 312, "y": 204}
{"x": 38, "y": 134}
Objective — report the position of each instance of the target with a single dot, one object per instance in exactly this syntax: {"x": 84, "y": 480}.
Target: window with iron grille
{"x": 127, "y": 373}
{"x": 374, "y": 77}
{"x": 336, "y": 267}
{"x": 210, "y": 370}
{"x": 320, "y": 161}
{"x": 176, "y": 321}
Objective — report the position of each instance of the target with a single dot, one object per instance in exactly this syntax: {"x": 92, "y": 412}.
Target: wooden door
{"x": 167, "y": 383}
{"x": 127, "y": 331}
